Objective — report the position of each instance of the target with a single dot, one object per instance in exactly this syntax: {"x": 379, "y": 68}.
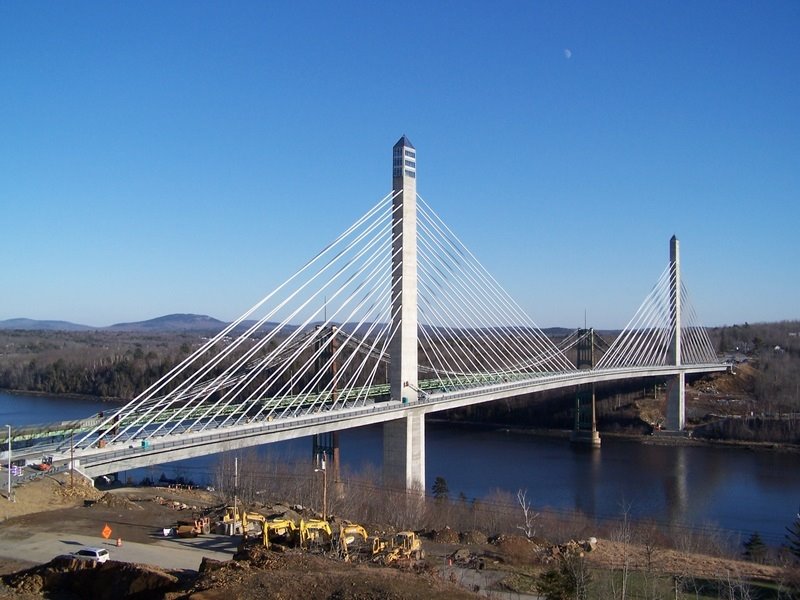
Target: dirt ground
{"x": 611, "y": 555}
{"x": 133, "y": 514}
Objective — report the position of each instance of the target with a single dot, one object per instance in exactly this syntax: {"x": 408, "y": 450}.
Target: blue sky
{"x": 162, "y": 157}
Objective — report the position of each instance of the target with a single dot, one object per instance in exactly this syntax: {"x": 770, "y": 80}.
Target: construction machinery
{"x": 193, "y": 527}
{"x": 376, "y": 545}
{"x": 248, "y": 520}
{"x": 239, "y": 522}
{"x": 279, "y": 530}
{"x": 405, "y": 546}
{"x": 352, "y": 537}
{"x": 315, "y": 533}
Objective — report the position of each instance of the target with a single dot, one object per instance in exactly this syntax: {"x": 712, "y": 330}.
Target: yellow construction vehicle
{"x": 239, "y": 522}
{"x": 350, "y": 532}
{"x": 279, "y": 530}
{"x": 376, "y": 545}
{"x": 193, "y": 528}
{"x": 352, "y": 538}
{"x": 404, "y": 546}
{"x": 248, "y": 518}
{"x": 315, "y": 533}
{"x": 232, "y": 521}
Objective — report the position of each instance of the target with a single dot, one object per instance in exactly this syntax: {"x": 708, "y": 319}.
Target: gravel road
{"x": 170, "y": 553}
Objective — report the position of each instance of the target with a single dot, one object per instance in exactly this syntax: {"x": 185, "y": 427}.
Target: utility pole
{"x": 324, "y": 487}
{"x": 9, "y": 462}
{"x": 235, "y": 490}
{"x": 72, "y": 459}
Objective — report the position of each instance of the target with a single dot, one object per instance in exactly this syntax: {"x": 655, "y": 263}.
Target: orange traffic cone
{"x": 119, "y": 542}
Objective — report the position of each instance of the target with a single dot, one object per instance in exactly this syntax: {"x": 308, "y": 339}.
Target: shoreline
{"x": 66, "y": 395}
{"x": 684, "y": 439}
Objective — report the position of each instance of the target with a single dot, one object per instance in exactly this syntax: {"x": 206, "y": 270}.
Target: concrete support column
{"x": 585, "y": 429}
{"x": 404, "y": 451}
{"x": 676, "y": 395}
{"x": 676, "y": 402}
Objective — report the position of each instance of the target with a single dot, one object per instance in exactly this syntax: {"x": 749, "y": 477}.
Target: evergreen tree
{"x": 440, "y": 489}
{"x": 793, "y": 537}
{"x": 755, "y": 549}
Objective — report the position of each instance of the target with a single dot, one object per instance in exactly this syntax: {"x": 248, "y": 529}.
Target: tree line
{"x": 122, "y": 364}
{"x": 101, "y": 364}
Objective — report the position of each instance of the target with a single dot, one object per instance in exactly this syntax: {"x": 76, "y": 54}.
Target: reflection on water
{"x": 731, "y": 488}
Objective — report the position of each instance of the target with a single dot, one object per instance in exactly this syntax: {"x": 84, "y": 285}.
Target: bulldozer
{"x": 404, "y": 546}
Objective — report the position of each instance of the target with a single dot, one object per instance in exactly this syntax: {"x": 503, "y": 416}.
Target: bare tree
{"x": 529, "y": 528}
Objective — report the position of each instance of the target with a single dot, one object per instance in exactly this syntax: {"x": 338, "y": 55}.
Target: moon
{"x": 567, "y": 53}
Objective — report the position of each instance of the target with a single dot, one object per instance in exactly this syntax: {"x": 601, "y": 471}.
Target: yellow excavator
{"x": 352, "y": 536}
{"x": 283, "y": 530}
{"x": 239, "y": 522}
{"x": 315, "y": 533}
{"x": 248, "y": 518}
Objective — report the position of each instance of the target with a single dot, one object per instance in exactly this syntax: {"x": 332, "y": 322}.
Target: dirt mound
{"x": 445, "y": 536}
{"x": 739, "y": 382}
{"x": 473, "y": 537}
{"x": 107, "y": 581}
{"x": 114, "y": 501}
{"x": 301, "y": 575}
{"x": 76, "y": 488}
{"x": 516, "y": 550}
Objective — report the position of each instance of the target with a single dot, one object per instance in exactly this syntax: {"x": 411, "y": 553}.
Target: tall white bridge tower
{"x": 404, "y": 438}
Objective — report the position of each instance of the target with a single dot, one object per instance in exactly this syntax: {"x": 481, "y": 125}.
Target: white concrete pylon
{"x": 404, "y": 438}
{"x": 676, "y": 394}
{"x": 403, "y": 348}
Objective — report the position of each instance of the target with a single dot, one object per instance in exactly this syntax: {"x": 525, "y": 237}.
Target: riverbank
{"x": 66, "y": 396}
{"x": 657, "y": 438}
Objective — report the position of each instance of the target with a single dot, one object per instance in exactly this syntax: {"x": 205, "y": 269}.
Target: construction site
{"x": 171, "y": 543}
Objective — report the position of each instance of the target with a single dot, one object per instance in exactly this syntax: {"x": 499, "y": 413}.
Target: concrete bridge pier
{"x": 404, "y": 452}
{"x": 584, "y": 431}
{"x": 676, "y": 402}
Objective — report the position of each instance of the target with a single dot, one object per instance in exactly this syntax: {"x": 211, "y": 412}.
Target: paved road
{"x": 169, "y": 553}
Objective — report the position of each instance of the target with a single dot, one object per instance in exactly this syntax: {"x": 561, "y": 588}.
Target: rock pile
{"x": 108, "y": 581}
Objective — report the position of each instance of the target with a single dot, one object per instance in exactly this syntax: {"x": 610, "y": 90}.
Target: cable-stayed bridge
{"x": 393, "y": 320}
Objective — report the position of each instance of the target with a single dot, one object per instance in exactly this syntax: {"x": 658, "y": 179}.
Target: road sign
{"x": 106, "y": 531}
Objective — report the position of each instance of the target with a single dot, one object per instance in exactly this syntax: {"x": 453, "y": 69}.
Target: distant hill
{"x": 556, "y": 332}
{"x": 190, "y": 322}
{"x": 34, "y": 325}
{"x": 176, "y": 322}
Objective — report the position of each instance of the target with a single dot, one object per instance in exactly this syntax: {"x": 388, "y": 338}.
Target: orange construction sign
{"x": 106, "y": 531}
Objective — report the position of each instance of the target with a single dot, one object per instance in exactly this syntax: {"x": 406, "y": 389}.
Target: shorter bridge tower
{"x": 584, "y": 431}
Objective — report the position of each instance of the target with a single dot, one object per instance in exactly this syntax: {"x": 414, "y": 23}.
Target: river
{"x": 728, "y": 488}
